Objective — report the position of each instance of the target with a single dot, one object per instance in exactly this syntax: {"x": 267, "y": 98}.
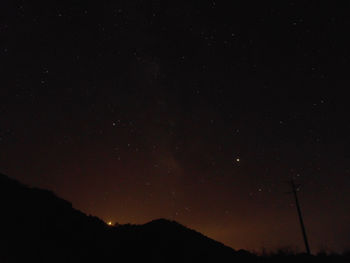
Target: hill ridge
{"x": 35, "y": 217}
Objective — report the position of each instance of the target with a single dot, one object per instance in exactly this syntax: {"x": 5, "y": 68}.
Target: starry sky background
{"x": 196, "y": 111}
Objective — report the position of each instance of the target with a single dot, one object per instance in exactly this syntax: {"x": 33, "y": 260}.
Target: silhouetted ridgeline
{"x": 37, "y": 226}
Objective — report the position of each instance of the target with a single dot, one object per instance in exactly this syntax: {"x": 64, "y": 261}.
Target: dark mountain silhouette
{"x": 37, "y": 226}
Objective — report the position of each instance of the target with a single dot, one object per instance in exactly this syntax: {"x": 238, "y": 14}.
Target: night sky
{"x": 195, "y": 111}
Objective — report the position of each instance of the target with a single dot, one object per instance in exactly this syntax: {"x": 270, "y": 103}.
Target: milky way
{"x": 200, "y": 112}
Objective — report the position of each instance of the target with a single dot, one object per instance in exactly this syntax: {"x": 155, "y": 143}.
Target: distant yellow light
{"x": 109, "y": 223}
{"x": 238, "y": 160}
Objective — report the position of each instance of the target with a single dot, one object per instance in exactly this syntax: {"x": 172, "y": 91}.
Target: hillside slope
{"x": 37, "y": 226}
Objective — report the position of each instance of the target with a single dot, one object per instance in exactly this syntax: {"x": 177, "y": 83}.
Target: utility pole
{"x": 294, "y": 187}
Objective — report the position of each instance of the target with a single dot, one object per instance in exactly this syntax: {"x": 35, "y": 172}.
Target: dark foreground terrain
{"x": 37, "y": 226}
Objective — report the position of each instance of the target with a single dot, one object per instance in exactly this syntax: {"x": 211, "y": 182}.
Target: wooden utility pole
{"x": 300, "y": 217}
